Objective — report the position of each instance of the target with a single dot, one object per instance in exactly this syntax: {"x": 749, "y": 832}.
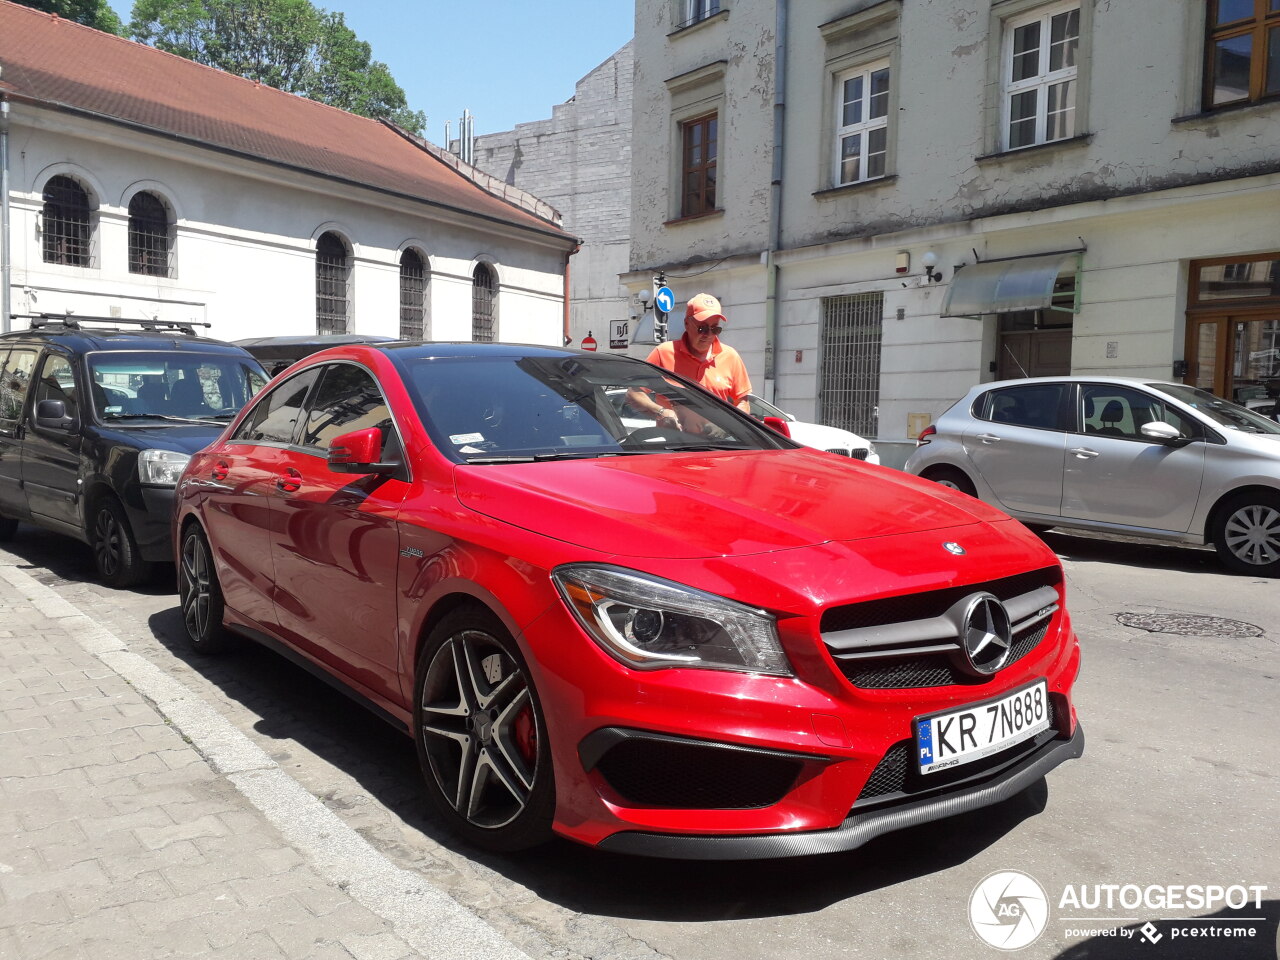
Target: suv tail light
{"x": 925, "y": 434}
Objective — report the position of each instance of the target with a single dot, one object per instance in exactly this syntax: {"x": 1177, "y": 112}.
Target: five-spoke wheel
{"x": 200, "y": 594}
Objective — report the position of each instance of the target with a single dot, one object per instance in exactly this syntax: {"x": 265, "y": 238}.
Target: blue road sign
{"x": 664, "y": 299}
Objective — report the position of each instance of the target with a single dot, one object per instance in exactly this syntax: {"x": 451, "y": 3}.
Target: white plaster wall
{"x": 246, "y": 239}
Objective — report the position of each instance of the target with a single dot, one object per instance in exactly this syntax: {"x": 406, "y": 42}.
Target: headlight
{"x": 161, "y": 468}
{"x": 650, "y": 623}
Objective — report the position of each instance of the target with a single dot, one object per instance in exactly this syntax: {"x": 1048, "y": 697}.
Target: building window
{"x": 1039, "y": 77}
{"x": 413, "y": 295}
{"x": 65, "y": 224}
{"x": 698, "y": 166}
{"x": 1242, "y": 59}
{"x": 862, "y": 123}
{"x": 483, "y": 293}
{"x": 149, "y": 243}
{"x": 333, "y": 281}
{"x": 689, "y": 12}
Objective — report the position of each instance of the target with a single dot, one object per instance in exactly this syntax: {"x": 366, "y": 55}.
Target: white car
{"x": 830, "y": 439}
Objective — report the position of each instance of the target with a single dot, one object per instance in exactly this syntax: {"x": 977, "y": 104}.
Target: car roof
{"x": 423, "y": 350}
{"x": 106, "y": 338}
{"x": 1119, "y": 381}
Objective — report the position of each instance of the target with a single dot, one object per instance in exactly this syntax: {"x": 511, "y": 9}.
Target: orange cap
{"x": 703, "y": 307}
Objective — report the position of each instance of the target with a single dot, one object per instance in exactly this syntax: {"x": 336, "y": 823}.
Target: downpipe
{"x": 6, "y": 268}
{"x": 772, "y": 270}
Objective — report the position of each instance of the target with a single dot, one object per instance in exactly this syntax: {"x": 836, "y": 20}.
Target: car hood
{"x": 688, "y": 505}
{"x": 821, "y": 436}
{"x": 144, "y": 435}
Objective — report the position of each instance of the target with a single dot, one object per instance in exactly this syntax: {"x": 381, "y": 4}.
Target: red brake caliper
{"x": 527, "y": 735}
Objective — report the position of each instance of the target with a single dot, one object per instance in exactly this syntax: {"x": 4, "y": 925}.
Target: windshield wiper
{"x": 685, "y": 448}
{"x": 544, "y": 457}
{"x": 155, "y": 416}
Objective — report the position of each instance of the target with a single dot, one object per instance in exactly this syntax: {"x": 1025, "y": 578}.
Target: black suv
{"x": 97, "y": 423}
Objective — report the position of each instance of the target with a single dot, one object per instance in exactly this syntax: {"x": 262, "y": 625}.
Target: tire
{"x": 951, "y": 477}
{"x": 201, "y": 595}
{"x": 8, "y": 527}
{"x": 480, "y": 735}
{"x": 115, "y": 552}
{"x": 1246, "y": 534}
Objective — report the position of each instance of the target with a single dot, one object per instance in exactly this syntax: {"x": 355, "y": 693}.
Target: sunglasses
{"x": 705, "y": 328}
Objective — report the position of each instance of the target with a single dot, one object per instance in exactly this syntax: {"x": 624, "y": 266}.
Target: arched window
{"x": 483, "y": 288}
{"x": 148, "y": 235}
{"x": 66, "y": 226}
{"x": 413, "y": 290}
{"x": 333, "y": 281}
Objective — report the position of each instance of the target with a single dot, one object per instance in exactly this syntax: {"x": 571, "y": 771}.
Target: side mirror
{"x": 358, "y": 451}
{"x": 1164, "y": 433}
{"x": 52, "y": 415}
{"x": 778, "y": 424}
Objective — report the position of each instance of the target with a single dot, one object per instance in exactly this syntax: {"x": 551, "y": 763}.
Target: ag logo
{"x": 1008, "y": 910}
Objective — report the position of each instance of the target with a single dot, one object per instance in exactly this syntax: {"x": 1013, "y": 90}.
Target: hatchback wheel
{"x": 1247, "y": 534}
{"x": 950, "y": 477}
{"x": 201, "y": 595}
{"x": 115, "y": 553}
{"x": 480, "y": 735}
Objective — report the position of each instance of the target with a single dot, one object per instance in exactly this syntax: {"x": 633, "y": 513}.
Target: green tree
{"x": 92, "y": 13}
{"x": 287, "y": 44}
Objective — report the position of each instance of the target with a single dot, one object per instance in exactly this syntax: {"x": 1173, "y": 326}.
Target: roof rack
{"x": 55, "y": 321}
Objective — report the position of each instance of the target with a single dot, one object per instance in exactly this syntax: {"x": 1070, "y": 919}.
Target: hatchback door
{"x": 17, "y": 365}
{"x": 1115, "y": 474}
{"x": 335, "y": 539}
{"x": 1016, "y": 443}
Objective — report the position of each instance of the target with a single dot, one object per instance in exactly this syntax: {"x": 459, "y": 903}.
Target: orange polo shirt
{"x": 722, "y": 374}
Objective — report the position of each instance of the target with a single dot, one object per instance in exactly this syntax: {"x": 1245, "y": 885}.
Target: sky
{"x": 507, "y": 61}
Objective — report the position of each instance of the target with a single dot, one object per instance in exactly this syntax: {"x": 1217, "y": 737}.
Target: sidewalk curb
{"x": 426, "y": 918}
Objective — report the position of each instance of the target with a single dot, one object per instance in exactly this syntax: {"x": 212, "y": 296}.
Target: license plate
{"x": 950, "y": 739}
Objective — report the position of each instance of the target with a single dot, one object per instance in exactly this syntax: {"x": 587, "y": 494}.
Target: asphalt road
{"x": 1178, "y": 788}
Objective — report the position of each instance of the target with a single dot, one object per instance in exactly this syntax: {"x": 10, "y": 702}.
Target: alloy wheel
{"x": 1252, "y": 534}
{"x": 478, "y": 729}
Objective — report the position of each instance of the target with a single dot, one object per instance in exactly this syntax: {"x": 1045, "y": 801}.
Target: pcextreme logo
{"x": 1008, "y": 910}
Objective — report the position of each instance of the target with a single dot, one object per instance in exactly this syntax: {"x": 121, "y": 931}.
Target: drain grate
{"x": 1188, "y": 625}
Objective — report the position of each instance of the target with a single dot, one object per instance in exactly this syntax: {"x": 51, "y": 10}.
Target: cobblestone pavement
{"x": 136, "y": 823}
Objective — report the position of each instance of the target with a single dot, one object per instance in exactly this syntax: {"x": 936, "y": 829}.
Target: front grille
{"x": 913, "y": 641}
{"x": 666, "y": 772}
{"x": 894, "y": 774}
{"x": 856, "y": 453}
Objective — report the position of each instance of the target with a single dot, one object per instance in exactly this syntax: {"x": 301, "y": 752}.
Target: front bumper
{"x": 152, "y": 525}
{"x": 857, "y": 829}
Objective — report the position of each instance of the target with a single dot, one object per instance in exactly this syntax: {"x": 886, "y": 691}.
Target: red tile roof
{"x": 62, "y": 64}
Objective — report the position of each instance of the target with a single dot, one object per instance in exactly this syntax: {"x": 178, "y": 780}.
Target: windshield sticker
{"x": 466, "y": 438}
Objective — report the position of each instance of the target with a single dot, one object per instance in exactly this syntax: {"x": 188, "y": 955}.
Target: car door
{"x": 51, "y": 468}
{"x": 1115, "y": 474}
{"x": 335, "y": 536}
{"x": 240, "y": 485}
{"x": 19, "y": 363}
{"x": 1017, "y": 443}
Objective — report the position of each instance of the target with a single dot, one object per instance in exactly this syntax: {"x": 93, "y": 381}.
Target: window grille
{"x": 65, "y": 225}
{"x": 698, "y": 166}
{"x": 149, "y": 237}
{"x": 482, "y": 304}
{"x": 413, "y": 289}
{"x": 849, "y": 393}
{"x": 333, "y": 279}
{"x": 694, "y": 11}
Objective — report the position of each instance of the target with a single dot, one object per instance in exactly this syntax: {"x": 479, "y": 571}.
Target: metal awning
{"x": 1002, "y": 286}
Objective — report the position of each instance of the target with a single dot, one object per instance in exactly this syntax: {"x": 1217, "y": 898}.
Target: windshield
{"x": 1222, "y": 412}
{"x": 521, "y": 409}
{"x": 182, "y": 385}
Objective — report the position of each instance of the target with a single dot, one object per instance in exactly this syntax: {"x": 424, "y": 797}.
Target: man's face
{"x": 702, "y": 333}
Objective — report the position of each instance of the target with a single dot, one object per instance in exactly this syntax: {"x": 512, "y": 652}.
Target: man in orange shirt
{"x": 700, "y": 356}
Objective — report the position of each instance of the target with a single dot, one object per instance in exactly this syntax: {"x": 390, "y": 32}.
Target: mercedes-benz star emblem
{"x": 986, "y": 633}
{"x": 952, "y": 547}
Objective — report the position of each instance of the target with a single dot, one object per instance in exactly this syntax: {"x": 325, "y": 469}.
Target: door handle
{"x": 220, "y": 470}
{"x": 1083, "y": 453}
{"x": 290, "y": 481}
{"x": 989, "y": 438}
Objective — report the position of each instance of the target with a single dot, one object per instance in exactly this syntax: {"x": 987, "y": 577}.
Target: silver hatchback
{"x": 1120, "y": 454}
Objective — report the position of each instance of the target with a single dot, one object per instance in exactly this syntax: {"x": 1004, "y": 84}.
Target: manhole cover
{"x": 1188, "y": 625}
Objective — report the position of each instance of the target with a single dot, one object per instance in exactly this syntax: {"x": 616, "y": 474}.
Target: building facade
{"x": 579, "y": 161}
{"x": 145, "y": 186}
{"x": 896, "y": 200}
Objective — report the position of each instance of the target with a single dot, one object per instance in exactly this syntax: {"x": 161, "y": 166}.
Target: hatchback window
{"x": 1113, "y": 411}
{"x": 511, "y": 409}
{"x": 347, "y": 399}
{"x": 1026, "y": 405}
{"x": 1222, "y": 412}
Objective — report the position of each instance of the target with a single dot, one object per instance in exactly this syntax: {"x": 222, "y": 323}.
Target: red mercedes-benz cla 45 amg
{"x": 691, "y": 639}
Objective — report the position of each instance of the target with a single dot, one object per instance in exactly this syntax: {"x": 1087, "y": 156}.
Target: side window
{"x": 1111, "y": 411}
{"x": 57, "y": 382}
{"x": 14, "y": 380}
{"x": 347, "y": 399}
{"x": 276, "y": 415}
{"x": 1032, "y": 405}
